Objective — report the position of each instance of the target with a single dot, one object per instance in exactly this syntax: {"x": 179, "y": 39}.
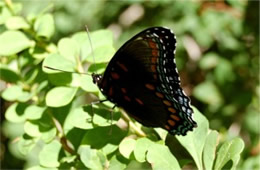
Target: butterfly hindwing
{"x": 142, "y": 78}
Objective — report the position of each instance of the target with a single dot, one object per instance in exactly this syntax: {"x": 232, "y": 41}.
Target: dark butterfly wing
{"x": 142, "y": 78}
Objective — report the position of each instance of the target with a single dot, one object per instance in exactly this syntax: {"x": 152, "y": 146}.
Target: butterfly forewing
{"x": 142, "y": 78}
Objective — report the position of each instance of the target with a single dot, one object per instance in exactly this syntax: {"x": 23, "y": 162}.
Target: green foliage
{"x": 48, "y": 118}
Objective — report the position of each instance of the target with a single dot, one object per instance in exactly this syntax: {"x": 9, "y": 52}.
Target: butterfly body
{"x": 142, "y": 79}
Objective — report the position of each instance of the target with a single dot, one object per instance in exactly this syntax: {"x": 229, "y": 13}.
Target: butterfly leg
{"x": 111, "y": 119}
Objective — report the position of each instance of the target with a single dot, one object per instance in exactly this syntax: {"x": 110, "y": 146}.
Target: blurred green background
{"x": 217, "y": 55}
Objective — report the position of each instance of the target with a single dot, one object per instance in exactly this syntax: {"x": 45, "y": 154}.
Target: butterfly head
{"x": 96, "y": 78}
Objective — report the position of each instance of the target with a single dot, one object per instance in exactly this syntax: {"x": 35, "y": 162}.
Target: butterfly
{"x": 142, "y": 78}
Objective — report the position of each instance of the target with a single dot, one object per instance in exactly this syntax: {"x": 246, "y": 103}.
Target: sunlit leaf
{"x": 89, "y": 157}
{"x": 209, "y": 151}
{"x": 160, "y": 157}
{"x": 69, "y": 49}
{"x": 44, "y": 26}
{"x": 49, "y": 156}
{"x": 229, "y": 151}
{"x": 12, "y": 42}
{"x": 17, "y": 22}
{"x": 126, "y": 147}
{"x": 194, "y": 141}
{"x": 60, "y": 96}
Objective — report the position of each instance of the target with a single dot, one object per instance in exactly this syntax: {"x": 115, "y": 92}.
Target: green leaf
{"x": 102, "y": 54}
{"x": 252, "y": 163}
{"x": 15, "y": 92}
{"x": 12, "y": 130}
{"x": 109, "y": 148}
{"x": 208, "y": 92}
{"x": 33, "y": 112}
{"x": 104, "y": 117}
{"x": 32, "y": 129}
{"x": 224, "y": 72}
{"x": 12, "y": 93}
{"x": 101, "y": 136}
{"x": 98, "y": 68}
{"x": 209, "y": 61}
{"x": 126, "y": 147}
{"x": 116, "y": 164}
{"x": 49, "y": 156}
{"x": 69, "y": 49}
{"x": 41, "y": 128}
{"x": 41, "y": 168}
{"x": 60, "y": 96}
{"x": 252, "y": 118}
{"x": 209, "y": 151}
{"x": 89, "y": 157}
{"x": 8, "y": 74}
{"x": 44, "y": 26}
{"x": 26, "y": 144}
{"x": 160, "y": 157}
{"x": 103, "y": 50}
{"x": 229, "y": 151}
{"x": 141, "y": 147}
{"x": 16, "y": 22}
{"x": 87, "y": 84}
{"x": 15, "y": 112}
{"x": 81, "y": 118}
{"x": 5, "y": 14}
{"x": 59, "y": 62}
{"x": 194, "y": 141}
{"x": 48, "y": 136}
{"x": 12, "y": 42}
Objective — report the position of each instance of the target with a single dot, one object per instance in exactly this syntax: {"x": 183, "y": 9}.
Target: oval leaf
{"x": 33, "y": 112}
{"x": 60, "y": 96}
{"x": 12, "y": 93}
{"x": 142, "y": 145}
{"x": 16, "y": 22}
{"x": 12, "y": 42}
{"x": 59, "y": 62}
{"x": 44, "y": 26}
{"x": 87, "y": 84}
{"x": 89, "y": 157}
{"x": 69, "y": 49}
{"x": 160, "y": 157}
{"x": 50, "y": 154}
{"x": 15, "y": 113}
{"x": 80, "y": 118}
{"x": 126, "y": 147}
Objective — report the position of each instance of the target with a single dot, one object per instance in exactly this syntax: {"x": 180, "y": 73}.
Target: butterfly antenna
{"x": 92, "y": 51}
{"x": 56, "y": 69}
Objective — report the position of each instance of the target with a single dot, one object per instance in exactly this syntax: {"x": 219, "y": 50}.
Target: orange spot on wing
{"x": 175, "y": 117}
{"x": 167, "y": 127}
{"x": 172, "y": 110}
{"x": 115, "y": 75}
{"x": 167, "y": 103}
{"x": 139, "y": 101}
{"x": 127, "y": 98}
{"x": 110, "y": 91}
{"x": 155, "y": 53}
{"x": 160, "y": 95}
{"x": 153, "y": 68}
{"x": 150, "y": 86}
{"x": 123, "y": 90}
{"x": 122, "y": 66}
{"x": 154, "y": 60}
{"x": 171, "y": 122}
{"x": 152, "y": 44}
